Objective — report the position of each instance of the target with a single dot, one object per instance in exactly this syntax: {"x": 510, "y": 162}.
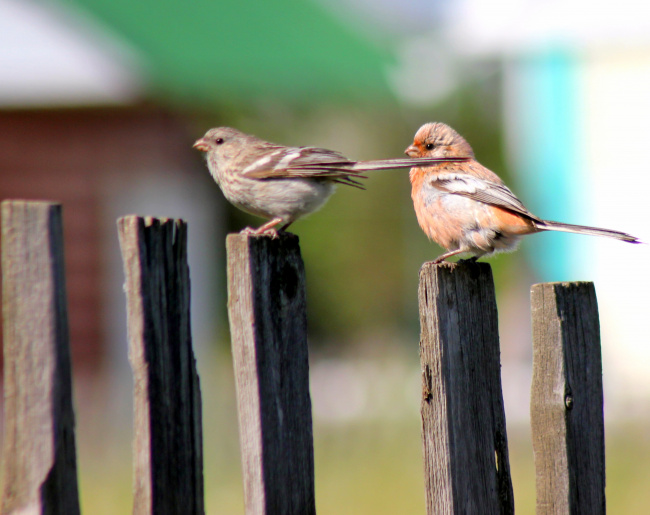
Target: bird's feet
{"x": 268, "y": 229}
{"x": 446, "y": 255}
{"x": 451, "y": 253}
{"x": 260, "y": 231}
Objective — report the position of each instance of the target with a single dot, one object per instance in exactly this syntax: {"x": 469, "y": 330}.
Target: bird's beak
{"x": 201, "y": 145}
{"x": 412, "y": 151}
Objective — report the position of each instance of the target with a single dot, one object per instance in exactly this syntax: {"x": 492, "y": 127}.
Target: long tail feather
{"x": 547, "y": 225}
{"x": 369, "y": 166}
{"x": 409, "y": 162}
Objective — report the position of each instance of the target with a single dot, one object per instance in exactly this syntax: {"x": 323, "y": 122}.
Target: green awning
{"x": 227, "y": 53}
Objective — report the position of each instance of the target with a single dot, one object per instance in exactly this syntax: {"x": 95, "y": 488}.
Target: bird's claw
{"x": 270, "y": 231}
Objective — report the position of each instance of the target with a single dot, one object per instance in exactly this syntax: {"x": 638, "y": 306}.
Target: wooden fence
{"x": 465, "y": 444}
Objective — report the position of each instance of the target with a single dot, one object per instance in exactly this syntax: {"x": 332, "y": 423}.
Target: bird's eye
{"x": 218, "y": 141}
{"x": 429, "y": 146}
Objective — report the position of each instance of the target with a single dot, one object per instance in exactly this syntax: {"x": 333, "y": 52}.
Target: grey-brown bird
{"x": 279, "y": 183}
{"x": 466, "y": 208}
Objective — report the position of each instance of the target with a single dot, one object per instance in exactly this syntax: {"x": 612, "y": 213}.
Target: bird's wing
{"x": 303, "y": 162}
{"x": 481, "y": 190}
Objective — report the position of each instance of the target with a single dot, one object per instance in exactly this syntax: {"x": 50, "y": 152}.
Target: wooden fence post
{"x": 40, "y": 470}
{"x": 463, "y": 420}
{"x": 168, "y": 444}
{"x": 266, "y": 307}
{"x": 567, "y": 399}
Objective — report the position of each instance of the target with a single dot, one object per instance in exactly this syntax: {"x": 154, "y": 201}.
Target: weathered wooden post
{"x": 168, "y": 443}
{"x": 40, "y": 464}
{"x": 464, "y": 435}
{"x": 266, "y": 307}
{"x": 567, "y": 399}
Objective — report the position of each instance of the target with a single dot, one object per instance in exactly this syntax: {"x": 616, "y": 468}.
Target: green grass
{"x": 369, "y": 468}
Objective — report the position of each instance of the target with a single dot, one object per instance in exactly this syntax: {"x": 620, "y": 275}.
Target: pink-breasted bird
{"x": 281, "y": 183}
{"x": 465, "y": 207}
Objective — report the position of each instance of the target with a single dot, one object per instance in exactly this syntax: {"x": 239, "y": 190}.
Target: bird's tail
{"x": 547, "y": 225}
{"x": 409, "y": 162}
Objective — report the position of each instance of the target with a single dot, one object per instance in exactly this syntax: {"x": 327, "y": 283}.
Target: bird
{"x": 465, "y": 207}
{"x": 281, "y": 183}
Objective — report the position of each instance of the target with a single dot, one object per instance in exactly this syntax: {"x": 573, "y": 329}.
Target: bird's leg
{"x": 451, "y": 253}
{"x": 268, "y": 229}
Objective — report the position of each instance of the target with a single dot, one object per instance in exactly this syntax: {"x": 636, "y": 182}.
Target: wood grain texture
{"x": 40, "y": 471}
{"x": 266, "y": 308}
{"x": 464, "y": 435}
{"x": 168, "y": 442}
{"x": 567, "y": 399}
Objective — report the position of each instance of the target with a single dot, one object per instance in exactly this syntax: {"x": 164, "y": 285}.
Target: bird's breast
{"x": 443, "y": 216}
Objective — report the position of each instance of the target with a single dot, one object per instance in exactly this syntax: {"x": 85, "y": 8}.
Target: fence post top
{"x": 563, "y": 284}
{"x": 281, "y": 237}
{"x": 448, "y": 268}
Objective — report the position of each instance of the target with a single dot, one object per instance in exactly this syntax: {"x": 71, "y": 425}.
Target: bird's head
{"x": 436, "y": 139}
{"x": 219, "y": 139}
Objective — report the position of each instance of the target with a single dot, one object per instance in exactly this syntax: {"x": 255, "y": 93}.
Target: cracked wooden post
{"x": 567, "y": 399}
{"x": 168, "y": 442}
{"x": 463, "y": 421}
{"x": 40, "y": 464}
{"x": 268, "y": 325}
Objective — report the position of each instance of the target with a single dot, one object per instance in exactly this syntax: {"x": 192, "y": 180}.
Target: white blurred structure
{"x": 56, "y": 56}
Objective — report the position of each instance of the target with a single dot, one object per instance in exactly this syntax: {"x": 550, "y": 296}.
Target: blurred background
{"x": 100, "y": 102}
